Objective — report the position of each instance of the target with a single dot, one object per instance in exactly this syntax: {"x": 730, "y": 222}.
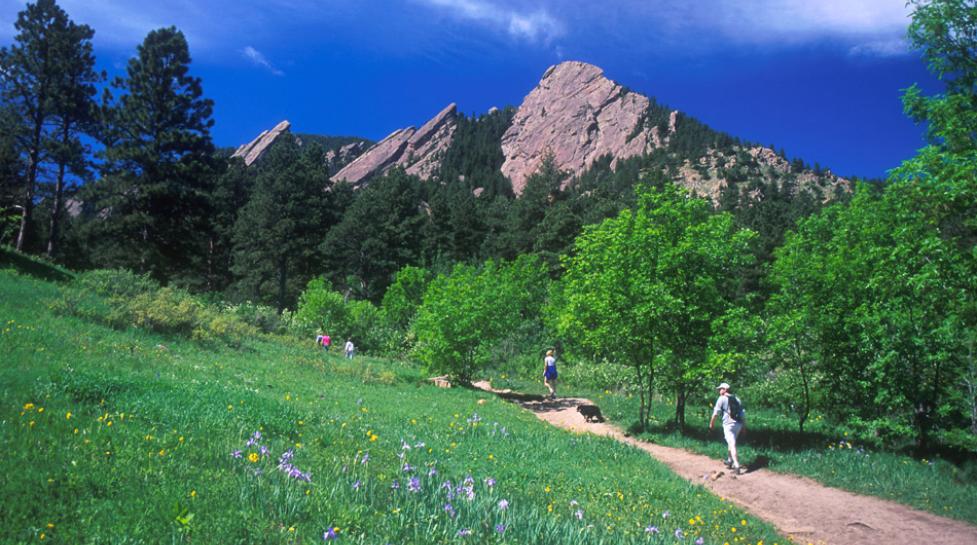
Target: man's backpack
{"x": 735, "y": 408}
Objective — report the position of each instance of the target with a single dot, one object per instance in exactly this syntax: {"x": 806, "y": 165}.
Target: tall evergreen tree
{"x": 277, "y": 233}
{"x": 158, "y": 165}
{"x": 74, "y": 110}
{"x": 379, "y": 234}
{"x": 30, "y": 83}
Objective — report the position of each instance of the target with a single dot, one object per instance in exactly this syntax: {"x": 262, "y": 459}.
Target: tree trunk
{"x": 642, "y": 417}
{"x": 57, "y": 205}
{"x": 282, "y": 277}
{"x": 32, "y": 167}
{"x": 680, "y": 395}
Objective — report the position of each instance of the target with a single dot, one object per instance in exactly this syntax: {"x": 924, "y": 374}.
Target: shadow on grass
{"x": 757, "y": 437}
{"x": 32, "y": 266}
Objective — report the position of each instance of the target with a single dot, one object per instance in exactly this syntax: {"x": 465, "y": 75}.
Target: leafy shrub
{"x": 319, "y": 308}
{"x": 122, "y": 299}
{"x": 266, "y": 319}
{"x": 115, "y": 283}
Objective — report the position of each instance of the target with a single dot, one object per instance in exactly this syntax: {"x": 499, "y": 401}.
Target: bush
{"x": 122, "y": 299}
{"x": 264, "y": 318}
{"x": 115, "y": 283}
{"x": 320, "y": 308}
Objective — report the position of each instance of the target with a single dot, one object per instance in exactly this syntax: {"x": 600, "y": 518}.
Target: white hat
{"x": 723, "y": 386}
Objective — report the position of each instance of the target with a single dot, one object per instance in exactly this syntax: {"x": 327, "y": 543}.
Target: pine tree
{"x": 74, "y": 113}
{"x": 277, "y": 233}
{"x": 30, "y": 71}
{"x": 158, "y": 165}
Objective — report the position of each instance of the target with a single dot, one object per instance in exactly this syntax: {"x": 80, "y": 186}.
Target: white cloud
{"x": 534, "y": 26}
{"x": 880, "y": 48}
{"x": 259, "y": 59}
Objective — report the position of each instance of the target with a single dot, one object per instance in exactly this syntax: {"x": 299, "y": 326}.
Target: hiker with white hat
{"x": 734, "y": 420}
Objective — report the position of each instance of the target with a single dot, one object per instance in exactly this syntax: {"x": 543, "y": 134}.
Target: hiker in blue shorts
{"x": 549, "y": 373}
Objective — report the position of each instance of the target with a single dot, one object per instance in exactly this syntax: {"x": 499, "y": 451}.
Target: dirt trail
{"x": 805, "y": 511}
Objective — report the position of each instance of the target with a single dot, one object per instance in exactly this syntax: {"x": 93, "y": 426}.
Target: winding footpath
{"x": 803, "y": 510}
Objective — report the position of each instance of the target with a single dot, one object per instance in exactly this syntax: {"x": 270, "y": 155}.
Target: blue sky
{"x": 819, "y": 78}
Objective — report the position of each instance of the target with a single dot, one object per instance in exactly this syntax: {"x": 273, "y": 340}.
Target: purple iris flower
{"x": 395, "y": 485}
{"x": 356, "y": 485}
{"x": 579, "y": 514}
{"x": 407, "y": 468}
{"x": 366, "y": 458}
{"x": 414, "y": 485}
{"x": 679, "y": 534}
{"x": 449, "y": 510}
{"x": 329, "y": 534}
{"x": 490, "y": 482}
{"x": 464, "y": 532}
{"x": 700, "y": 541}
{"x": 500, "y": 528}
{"x": 503, "y": 505}
{"x": 236, "y": 454}
{"x": 651, "y": 530}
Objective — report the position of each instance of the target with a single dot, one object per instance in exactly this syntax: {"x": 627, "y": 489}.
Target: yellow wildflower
{"x": 67, "y": 415}
{"x": 253, "y": 457}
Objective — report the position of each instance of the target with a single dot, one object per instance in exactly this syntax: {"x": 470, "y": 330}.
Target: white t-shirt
{"x": 349, "y": 346}
{"x": 550, "y": 361}
{"x": 722, "y": 406}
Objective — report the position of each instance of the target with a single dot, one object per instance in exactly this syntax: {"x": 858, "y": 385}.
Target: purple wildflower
{"x": 236, "y": 454}
{"x": 286, "y": 457}
{"x": 395, "y": 485}
{"x": 264, "y": 450}
{"x": 404, "y": 445}
{"x": 700, "y": 541}
{"x": 468, "y": 480}
{"x": 419, "y": 444}
{"x": 329, "y": 534}
{"x": 366, "y": 458}
{"x": 449, "y": 510}
{"x": 356, "y": 485}
{"x": 474, "y": 419}
{"x": 503, "y": 505}
{"x": 679, "y": 534}
{"x": 254, "y": 439}
{"x": 579, "y": 514}
{"x": 464, "y": 532}
{"x": 414, "y": 485}
{"x": 407, "y": 468}
{"x": 653, "y": 530}
{"x": 666, "y": 514}
{"x": 573, "y": 503}
{"x": 500, "y": 528}
{"x": 432, "y": 472}
{"x": 490, "y": 482}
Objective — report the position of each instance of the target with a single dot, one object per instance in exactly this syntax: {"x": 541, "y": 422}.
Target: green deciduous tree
{"x": 466, "y": 313}
{"x": 649, "y": 283}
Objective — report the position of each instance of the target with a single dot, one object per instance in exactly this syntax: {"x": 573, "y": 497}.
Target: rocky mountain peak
{"x": 253, "y": 150}
{"x": 576, "y": 115}
{"x": 416, "y": 150}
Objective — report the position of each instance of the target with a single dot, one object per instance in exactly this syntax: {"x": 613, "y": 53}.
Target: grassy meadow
{"x": 126, "y": 436}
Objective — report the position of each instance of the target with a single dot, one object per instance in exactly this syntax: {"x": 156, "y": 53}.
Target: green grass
{"x": 127, "y": 437}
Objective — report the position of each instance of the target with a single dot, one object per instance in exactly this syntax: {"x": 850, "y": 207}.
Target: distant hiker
{"x": 350, "y": 349}
{"x": 734, "y": 421}
{"x": 318, "y": 338}
{"x": 326, "y": 341}
{"x": 549, "y": 373}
